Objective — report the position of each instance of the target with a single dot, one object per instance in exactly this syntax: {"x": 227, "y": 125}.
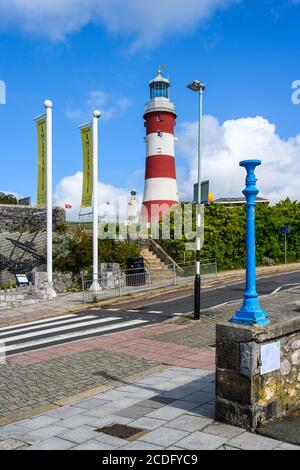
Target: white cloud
{"x": 146, "y": 22}
{"x": 68, "y": 191}
{"x": 225, "y": 145}
{"x": 98, "y": 99}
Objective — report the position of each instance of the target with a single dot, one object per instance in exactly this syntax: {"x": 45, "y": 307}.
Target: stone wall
{"x": 14, "y": 218}
{"x": 245, "y": 396}
{"x": 12, "y": 255}
{"x": 24, "y": 295}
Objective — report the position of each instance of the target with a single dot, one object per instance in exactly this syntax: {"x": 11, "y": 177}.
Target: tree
{"x": 8, "y": 199}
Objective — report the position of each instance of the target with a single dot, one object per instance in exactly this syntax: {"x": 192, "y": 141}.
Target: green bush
{"x": 225, "y": 234}
{"x": 74, "y": 253}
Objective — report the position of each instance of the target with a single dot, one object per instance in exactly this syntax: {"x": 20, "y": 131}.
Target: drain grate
{"x": 123, "y": 431}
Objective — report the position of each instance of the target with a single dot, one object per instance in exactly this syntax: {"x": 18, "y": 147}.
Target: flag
{"x": 41, "y": 125}
{"x": 68, "y": 206}
{"x": 87, "y": 151}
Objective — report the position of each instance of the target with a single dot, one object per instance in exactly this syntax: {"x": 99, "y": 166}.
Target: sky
{"x": 88, "y": 54}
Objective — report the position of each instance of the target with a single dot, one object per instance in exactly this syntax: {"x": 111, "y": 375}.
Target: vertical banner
{"x": 87, "y": 151}
{"x": 42, "y": 161}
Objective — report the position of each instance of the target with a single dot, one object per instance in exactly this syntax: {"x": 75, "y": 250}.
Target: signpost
{"x": 285, "y": 231}
{"x": 204, "y": 192}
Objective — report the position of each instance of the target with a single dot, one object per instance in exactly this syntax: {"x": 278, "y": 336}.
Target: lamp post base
{"x": 250, "y": 316}
{"x": 197, "y": 297}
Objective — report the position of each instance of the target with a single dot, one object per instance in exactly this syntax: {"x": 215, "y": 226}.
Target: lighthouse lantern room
{"x": 160, "y": 190}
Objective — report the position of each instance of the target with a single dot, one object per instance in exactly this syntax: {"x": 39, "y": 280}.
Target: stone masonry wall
{"x": 14, "y": 218}
{"x": 11, "y": 252}
{"x": 245, "y": 397}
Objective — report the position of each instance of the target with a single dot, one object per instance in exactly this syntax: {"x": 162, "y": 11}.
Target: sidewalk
{"x": 171, "y": 409}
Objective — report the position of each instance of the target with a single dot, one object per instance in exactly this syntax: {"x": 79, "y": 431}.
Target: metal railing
{"x": 118, "y": 283}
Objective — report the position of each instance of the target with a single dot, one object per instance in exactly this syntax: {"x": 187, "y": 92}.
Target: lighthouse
{"x": 160, "y": 189}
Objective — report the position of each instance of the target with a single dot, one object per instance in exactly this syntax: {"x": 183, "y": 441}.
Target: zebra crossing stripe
{"x": 36, "y": 322}
{"x": 60, "y": 328}
{"x": 77, "y": 335}
{"x": 45, "y": 325}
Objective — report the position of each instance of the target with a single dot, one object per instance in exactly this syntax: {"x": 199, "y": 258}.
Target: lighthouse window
{"x": 159, "y": 89}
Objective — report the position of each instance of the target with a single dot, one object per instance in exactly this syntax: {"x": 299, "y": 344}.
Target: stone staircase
{"x": 158, "y": 268}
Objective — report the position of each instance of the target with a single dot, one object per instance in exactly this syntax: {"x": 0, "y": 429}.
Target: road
{"x": 124, "y": 316}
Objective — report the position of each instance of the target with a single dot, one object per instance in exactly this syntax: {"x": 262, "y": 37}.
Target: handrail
{"x": 157, "y": 248}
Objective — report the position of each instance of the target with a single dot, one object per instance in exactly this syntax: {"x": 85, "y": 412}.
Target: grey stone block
{"x": 79, "y": 434}
{"x": 140, "y": 445}
{"x": 147, "y": 423}
{"x": 91, "y": 403}
{"x": 223, "y": 430}
{"x": 11, "y": 444}
{"x": 249, "y": 358}
{"x": 164, "y": 436}
{"x": 135, "y": 412}
{"x": 166, "y": 413}
{"x": 65, "y": 412}
{"x": 39, "y": 422}
{"x": 207, "y": 410}
{"x": 249, "y": 441}
{"x": 199, "y": 397}
{"x": 189, "y": 423}
{"x": 93, "y": 445}
{"x": 201, "y": 441}
{"x": 48, "y": 431}
{"x": 53, "y": 443}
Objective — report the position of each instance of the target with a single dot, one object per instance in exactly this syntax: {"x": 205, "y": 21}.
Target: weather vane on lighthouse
{"x": 160, "y": 189}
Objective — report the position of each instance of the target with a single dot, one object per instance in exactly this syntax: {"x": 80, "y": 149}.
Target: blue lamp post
{"x": 251, "y": 312}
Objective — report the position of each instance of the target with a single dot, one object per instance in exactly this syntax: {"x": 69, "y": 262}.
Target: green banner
{"x": 42, "y": 161}
{"x": 87, "y": 151}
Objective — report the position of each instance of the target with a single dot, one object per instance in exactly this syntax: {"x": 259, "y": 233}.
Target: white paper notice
{"x": 270, "y": 357}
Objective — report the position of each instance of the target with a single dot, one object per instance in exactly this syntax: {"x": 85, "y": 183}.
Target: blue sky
{"x": 247, "y": 52}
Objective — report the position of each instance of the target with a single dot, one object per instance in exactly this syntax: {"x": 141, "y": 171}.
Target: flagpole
{"x": 49, "y": 105}
{"x": 96, "y": 116}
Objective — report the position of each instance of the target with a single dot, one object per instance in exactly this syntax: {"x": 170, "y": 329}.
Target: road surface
{"x": 124, "y": 316}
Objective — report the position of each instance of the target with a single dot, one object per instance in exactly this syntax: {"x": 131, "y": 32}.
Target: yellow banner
{"x": 87, "y": 151}
{"x": 42, "y": 161}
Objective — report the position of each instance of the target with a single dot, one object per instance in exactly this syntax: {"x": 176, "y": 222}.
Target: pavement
{"x": 157, "y": 375}
{"x": 172, "y": 409}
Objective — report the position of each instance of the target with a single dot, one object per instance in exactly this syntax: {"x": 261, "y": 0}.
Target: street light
{"x": 198, "y": 86}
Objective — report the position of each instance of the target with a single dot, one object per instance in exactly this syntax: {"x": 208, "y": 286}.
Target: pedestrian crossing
{"x": 59, "y": 330}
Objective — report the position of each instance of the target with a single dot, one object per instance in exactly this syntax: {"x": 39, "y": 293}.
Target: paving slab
{"x": 139, "y": 445}
{"x": 53, "y": 443}
{"x": 11, "y": 444}
{"x": 39, "y": 422}
{"x": 136, "y": 411}
{"x": 93, "y": 445}
{"x": 201, "y": 441}
{"x": 166, "y": 413}
{"x": 79, "y": 434}
{"x": 164, "y": 436}
{"x": 188, "y": 423}
{"x": 223, "y": 430}
{"x": 147, "y": 423}
{"x": 43, "y": 433}
{"x": 248, "y": 441}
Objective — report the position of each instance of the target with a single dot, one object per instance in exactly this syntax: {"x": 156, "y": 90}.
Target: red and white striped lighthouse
{"x": 160, "y": 190}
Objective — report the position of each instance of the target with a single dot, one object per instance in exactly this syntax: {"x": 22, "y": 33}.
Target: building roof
{"x": 239, "y": 200}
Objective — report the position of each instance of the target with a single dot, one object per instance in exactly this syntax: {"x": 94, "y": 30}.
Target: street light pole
{"x": 199, "y": 87}
{"x": 96, "y": 116}
{"x": 49, "y": 105}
